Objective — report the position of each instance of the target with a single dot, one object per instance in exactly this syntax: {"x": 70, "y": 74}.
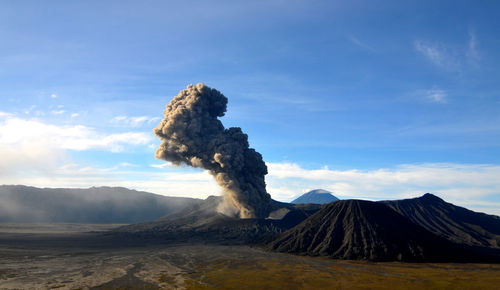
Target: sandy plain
{"x": 82, "y": 256}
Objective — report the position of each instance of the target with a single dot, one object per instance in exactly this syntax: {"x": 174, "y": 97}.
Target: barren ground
{"x": 71, "y": 256}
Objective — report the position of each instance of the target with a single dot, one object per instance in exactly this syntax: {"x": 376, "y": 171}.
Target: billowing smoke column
{"x": 192, "y": 134}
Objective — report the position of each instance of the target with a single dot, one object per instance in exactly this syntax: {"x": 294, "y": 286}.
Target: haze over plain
{"x": 367, "y": 100}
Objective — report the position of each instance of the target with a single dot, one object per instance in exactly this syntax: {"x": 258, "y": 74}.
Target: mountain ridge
{"x": 447, "y": 220}
{"x": 359, "y": 229}
{"x": 21, "y": 203}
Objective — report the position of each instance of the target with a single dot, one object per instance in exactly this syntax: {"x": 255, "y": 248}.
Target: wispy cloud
{"x": 359, "y": 43}
{"x": 134, "y": 121}
{"x": 438, "y": 54}
{"x": 450, "y": 57}
{"x": 57, "y": 112}
{"x": 29, "y": 110}
{"x": 436, "y": 96}
{"x": 472, "y": 54}
{"x": 166, "y": 164}
{"x": 126, "y": 164}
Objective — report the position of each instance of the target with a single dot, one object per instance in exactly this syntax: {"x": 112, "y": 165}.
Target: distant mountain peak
{"x": 319, "y": 196}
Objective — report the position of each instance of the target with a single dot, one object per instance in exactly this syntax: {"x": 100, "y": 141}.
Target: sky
{"x": 367, "y": 99}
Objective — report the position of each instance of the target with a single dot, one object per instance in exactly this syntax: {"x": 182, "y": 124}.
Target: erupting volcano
{"x": 193, "y": 135}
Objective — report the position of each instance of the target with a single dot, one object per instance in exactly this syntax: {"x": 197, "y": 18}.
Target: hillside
{"x": 318, "y": 196}
{"x": 452, "y": 222}
{"x": 356, "y": 229}
{"x": 202, "y": 222}
{"x": 93, "y": 205}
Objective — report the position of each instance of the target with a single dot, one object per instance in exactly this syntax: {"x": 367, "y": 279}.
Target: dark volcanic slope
{"x": 93, "y": 205}
{"x": 356, "y": 229}
{"x": 202, "y": 222}
{"x": 455, "y": 223}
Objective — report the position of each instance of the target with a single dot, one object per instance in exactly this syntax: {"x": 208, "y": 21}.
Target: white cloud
{"x": 118, "y": 119}
{"x": 464, "y": 184}
{"x": 188, "y": 183}
{"x": 58, "y": 112}
{"x": 28, "y": 160}
{"x": 451, "y": 57}
{"x": 134, "y": 121}
{"x": 436, "y": 96}
{"x": 438, "y": 54}
{"x": 29, "y": 110}
{"x": 472, "y": 52}
{"x": 35, "y": 153}
{"x": 53, "y": 96}
{"x": 15, "y": 131}
{"x": 166, "y": 164}
{"x": 126, "y": 164}
{"x": 359, "y": 43}
{"x": 74, "y": 115}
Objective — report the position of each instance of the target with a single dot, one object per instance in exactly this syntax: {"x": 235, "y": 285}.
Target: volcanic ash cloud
{"x": 192, "y": 134}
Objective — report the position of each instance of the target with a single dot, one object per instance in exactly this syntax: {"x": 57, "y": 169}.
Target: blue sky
{"x": 368, "y": 99}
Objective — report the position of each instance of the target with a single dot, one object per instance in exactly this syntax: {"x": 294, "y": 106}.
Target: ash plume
{"x": 192, "y": 134}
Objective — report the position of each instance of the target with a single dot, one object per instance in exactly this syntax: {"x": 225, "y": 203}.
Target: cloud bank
{"x": 15, "y": 131}
{"x": 31, "y": 148}
{"x": 465, "y": 184}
